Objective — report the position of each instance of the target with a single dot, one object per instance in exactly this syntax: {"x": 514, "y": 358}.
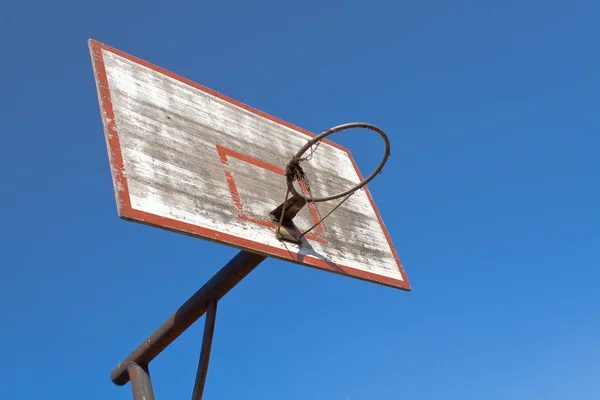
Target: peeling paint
{"x": 162, "y": 133}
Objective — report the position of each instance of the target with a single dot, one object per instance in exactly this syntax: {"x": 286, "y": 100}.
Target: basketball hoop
{"x": 285, "y": 212}
{"x": 297, "y": 158}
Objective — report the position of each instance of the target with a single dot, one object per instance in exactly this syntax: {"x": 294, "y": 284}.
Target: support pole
{"x": 209, "y": 330}
{"x": 213, "y": 290}
{"x": 141, "y": 386}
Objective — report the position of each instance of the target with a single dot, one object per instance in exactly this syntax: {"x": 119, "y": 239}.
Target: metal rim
{"x": 323, "y": 135}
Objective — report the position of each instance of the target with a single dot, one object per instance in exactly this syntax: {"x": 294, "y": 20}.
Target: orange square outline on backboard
{"x": 224, "y": 153}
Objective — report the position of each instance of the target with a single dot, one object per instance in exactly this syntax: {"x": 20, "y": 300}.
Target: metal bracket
{"x": 287, "y": 230}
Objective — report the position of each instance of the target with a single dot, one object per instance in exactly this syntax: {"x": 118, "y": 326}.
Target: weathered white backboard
{"x": 186, "y": 158}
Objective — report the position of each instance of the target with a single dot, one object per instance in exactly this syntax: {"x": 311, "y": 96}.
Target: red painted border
{"x": 122, "y": 192}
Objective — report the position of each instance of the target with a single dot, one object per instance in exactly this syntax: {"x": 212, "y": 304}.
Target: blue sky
{"x": 491, "y": 197}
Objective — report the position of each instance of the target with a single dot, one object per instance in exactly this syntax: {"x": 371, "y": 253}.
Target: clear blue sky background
{"x": 491, "y": 197}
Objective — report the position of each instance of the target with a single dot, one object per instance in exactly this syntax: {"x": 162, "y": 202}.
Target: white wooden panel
{"x": 168, "y": 135}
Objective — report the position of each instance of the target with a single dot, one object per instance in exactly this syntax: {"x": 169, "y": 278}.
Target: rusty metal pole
{"x": 141, "y": 385}
{"x": 209, "y": 330}
{"x": 213, "y": 290}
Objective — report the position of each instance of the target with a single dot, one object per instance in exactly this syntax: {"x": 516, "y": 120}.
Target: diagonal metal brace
{"x": 213, "y": 290}
{"x": 209, "y": 331}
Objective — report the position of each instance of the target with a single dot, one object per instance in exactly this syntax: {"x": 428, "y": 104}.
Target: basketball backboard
{"x": 188, "y": 159}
